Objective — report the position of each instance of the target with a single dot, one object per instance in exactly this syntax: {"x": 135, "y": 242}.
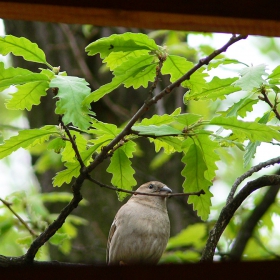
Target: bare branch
{"x": 249, "y": 225}
{"x": 229, "y": 210}
{"x": 247, "y": 174}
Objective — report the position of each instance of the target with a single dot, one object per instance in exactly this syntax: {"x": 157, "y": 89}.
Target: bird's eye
{"x": 151, "y": 186}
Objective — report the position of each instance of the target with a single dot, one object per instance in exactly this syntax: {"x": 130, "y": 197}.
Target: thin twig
{"x": 8, "y": 205}
{"x": 73, "y": 143}
{"x": 266, "y": 100}
{"x": 142, "y": 193}
{"x": 156, "y": 80}
{"x": 247, "y": 174}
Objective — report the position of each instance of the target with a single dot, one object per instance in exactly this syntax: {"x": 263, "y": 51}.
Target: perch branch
{"x": 229, "y": 210}
{"x": 141, "y": 193}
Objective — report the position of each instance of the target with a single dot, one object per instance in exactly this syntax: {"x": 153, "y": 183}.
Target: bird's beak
{"x": 165, "y": 189}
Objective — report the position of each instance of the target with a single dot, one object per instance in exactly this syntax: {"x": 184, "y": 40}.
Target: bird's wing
{"x": 111, "y": 233}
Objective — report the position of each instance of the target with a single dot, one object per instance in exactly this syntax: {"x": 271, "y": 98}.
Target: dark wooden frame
{"x": 242, "y": 17}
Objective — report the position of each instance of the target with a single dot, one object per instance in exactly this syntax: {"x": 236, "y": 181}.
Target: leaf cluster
{"x": 135, "y": 60}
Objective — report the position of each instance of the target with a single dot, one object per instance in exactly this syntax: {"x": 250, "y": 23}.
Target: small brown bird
{"x": 141, "y": 228}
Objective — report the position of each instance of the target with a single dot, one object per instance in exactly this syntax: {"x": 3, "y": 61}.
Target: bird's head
{"x": 154, "y": 187}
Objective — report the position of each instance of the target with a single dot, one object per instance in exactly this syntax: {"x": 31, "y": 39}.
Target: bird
{"x": 141, "y": 228}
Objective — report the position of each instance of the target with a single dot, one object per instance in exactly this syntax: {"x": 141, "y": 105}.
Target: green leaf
{"x": 168, "y": 143}
{"x": 73, "y": 168}
{"x": 12, "y": 76}
{"x": 217, "y": 88}
{"x": 250, "y": 130}
{"x": 129, "y": 148}
{"x": 275, "y": 73}
{"x": 26, "y": 138}
{"x": 197, "y": 82}
{"x": 127, "y": 42}
{"x": 134, "y": 72}
{"x": 176, "y": 67}
{"x": 153, "y": 130}
{"x": 66, "y": 175}
{"x": 210, "y": 157}
{"x": 223, "y": 61}
{"x": 57, "y": 145}
{"x": 241, "y": 108}
{"x": 22, "y": 47}
{"x": 104, "y": 132}
{"x": 58, "y": 238}
{"x": 251, "y": 77}
{"x": 250, "y": 152}
{"x": 160, "y": 119}
{"x": 251, "y": 148}
{"x": 194, "y": 170}
{"x": 28, "y": 94}
{"x": 201, "y": 204}
{"x": 193, "y": 235}
{"x": 120, "y": 168}
{"x": 188, "y": 119}
{"x": 72, "y": 92}
{"x": 114, "y": 59}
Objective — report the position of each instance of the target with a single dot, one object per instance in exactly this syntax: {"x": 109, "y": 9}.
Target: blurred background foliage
{"x": 83, "y": 237}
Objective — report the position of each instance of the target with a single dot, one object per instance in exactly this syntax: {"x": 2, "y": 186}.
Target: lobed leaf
{"x": 120, "y": 168}
{"x": 13, "y": 76}
{"x": 72, "y": 92}
{"x": 28, "y": 94}
{"x": 134, "y": 72}
{"x": 127, "y": 42}
{"x": 241, "y": 108}
{"x": 161, "y": 119}
{"x": 251, "y": 77}
{"x": 251, "y": 130}
{"x": 195, "y": 180}
{"x": 22, "y": 47}
{"x": 73, "y": 168}
{"x": 217, "y": 88}
{"x": 27, "y": 138}
{"x": 153, "y": 130}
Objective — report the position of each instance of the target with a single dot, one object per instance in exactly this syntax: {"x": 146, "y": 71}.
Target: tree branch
{"x": 229, "y": 210}
{"x": 56, "y": 224}
{"x": 247, "y": 174}
{"x": 249, "y": 225}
